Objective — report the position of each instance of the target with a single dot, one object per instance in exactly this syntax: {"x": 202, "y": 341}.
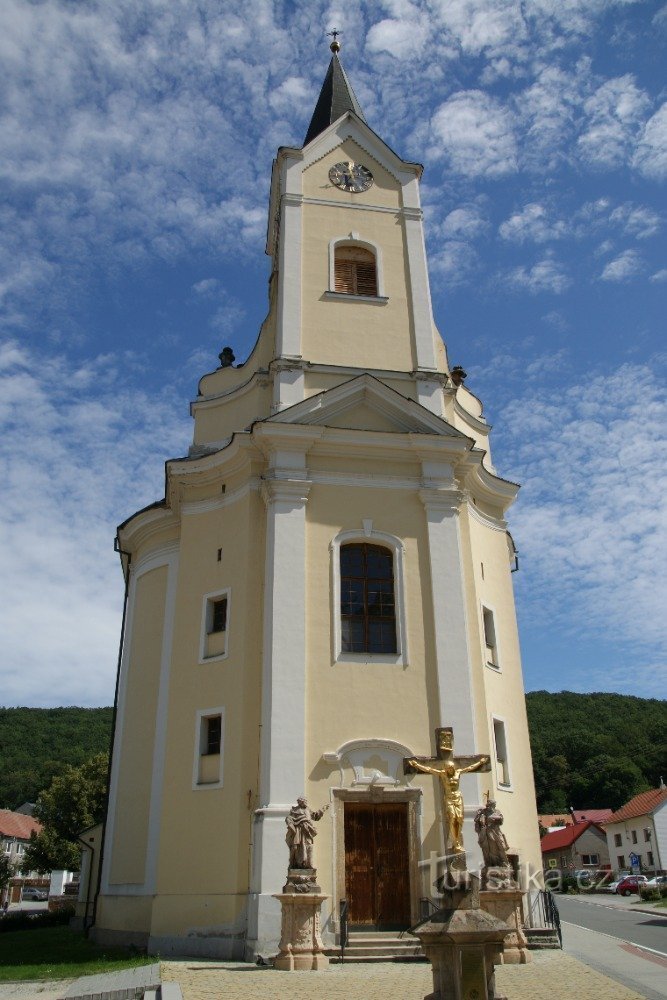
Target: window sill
{"x": 378, "y": 300}
{"x": 213, "y": 658}
{"x": 504, "y": 788}
{"x": 395, "y": 659}
{"x": 493, "y": 666}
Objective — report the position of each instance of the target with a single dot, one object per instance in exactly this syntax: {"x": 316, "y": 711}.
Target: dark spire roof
{"x": 336, "y": 97}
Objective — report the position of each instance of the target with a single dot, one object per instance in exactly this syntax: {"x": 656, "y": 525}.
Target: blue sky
{"x": 137, "y": 140}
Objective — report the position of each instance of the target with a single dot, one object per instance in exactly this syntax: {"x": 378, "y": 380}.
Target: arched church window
{"x": 367, "y": 604}
{"x": 355, "y": 271}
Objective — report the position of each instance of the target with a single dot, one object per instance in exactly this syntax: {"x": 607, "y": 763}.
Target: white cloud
{"x": 477, "y": 26}
{"x": 532, "y": 223}
{"x": 75, "y": 444}
{"x": 465, "y": 222}
{"x": 659, "y": 275}
{"x": 637, "y": 220}
{"x": 475, "y": 133}
{"x": 651, "y": 155}
{"x": 591, "y": 523}
{"x": 547, "y": 275}
{"x": 614, "y": 114}
{"x": 621, "y": 268}
{"x": 454, "y": 262}
{"x": 403, "y": 37}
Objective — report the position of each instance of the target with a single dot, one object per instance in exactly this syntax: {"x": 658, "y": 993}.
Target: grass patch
{"x": 58, "y": 953}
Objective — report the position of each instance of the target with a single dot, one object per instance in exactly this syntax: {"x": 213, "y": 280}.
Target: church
{"x": 326, "y": 582}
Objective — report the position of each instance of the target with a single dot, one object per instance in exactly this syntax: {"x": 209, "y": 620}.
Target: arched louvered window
{"x": 355, "y": 271}
{"x": 367, "y": 605}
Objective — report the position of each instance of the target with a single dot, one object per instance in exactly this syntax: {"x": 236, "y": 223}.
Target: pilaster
{"x": 442, "y": 504}
{"x": 422, "y": 312}
{"x": 282, "y": 749}
{"x": 288, "y": 332}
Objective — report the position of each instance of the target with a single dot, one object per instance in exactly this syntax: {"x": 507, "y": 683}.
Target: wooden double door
{"x": 377, "y": 871}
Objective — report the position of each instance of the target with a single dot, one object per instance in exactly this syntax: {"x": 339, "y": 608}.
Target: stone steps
{"x": 379, "y": 946}
{"x": 540, "y": 938}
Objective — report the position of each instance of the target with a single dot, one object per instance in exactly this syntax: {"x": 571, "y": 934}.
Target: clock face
{"x": 350, "y": 176}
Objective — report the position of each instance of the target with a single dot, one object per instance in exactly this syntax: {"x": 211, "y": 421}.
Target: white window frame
{"x": 400, "y": 657}
{"x": 504, "y": 786}
{"x": 354, "y": 240}
{"x": 491, "y": 664}
{"x": 207, "y": 611}
{"x": 201, "y": 739}
{"x": 591, "y": 858}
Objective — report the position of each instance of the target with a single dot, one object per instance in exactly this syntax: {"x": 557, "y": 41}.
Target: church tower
{"x": 326, "y": 582}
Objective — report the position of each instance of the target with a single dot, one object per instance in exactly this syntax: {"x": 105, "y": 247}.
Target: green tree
{"x": 74, "y": 800}
{"x": 6, "y": 871}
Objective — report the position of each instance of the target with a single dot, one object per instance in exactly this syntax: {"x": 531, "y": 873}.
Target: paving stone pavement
{"x": 550, "y": 976}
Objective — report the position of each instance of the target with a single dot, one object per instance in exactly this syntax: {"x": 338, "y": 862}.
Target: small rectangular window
{"x": 591, "y": 859}
{"x": 647, "y": 834}
{"x": 218, "y": 615}
{"x": 213, "y": 734}
{"x": 621, "y": 860}
{"x": 502, "y": 758}
{"x": 634, "y": 836}
{"x": 617, "y": 840}
{"x": 490, "y": 640}
{"x": 209, "y": 748}
{"x": 649, "y": 857}
{"x": 215, "y": 626}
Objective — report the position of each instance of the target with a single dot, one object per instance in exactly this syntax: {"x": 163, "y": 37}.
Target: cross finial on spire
{"x": 335, "y": 45}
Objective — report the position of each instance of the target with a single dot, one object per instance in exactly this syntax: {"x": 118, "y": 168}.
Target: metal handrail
{"x": 343, "y": 910}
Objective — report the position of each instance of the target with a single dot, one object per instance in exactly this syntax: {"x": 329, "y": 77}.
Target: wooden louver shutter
{"x": 354, "y": 271}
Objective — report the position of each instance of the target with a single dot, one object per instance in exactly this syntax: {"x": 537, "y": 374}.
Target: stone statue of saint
{"x": 301, "y": 832}
{"x": 492, "y": 840}
{"x": 448, "y": 769}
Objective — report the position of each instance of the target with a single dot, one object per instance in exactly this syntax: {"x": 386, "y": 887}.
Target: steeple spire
{"x": 336, "y": 96}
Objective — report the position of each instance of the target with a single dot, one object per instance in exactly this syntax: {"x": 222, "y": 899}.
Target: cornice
{"x": 446, "y": 501}
{"x": 477, "y": 423}
{"x": 146, "y": 525}
{"x": 223, "y": 500}
{"x": 261, "y": 378}
{"x": 488, "y": 520}
{"x": 294, "y": 492}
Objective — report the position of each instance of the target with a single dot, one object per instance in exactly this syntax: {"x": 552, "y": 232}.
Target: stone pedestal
{"x": 463, "y": 944}
{"x": 505, "y": 904}
{"x": 301, "y": 946}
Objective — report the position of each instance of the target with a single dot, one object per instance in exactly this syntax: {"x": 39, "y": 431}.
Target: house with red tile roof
{"x": 575, "y": 847}
{"x": 15, "y": 830}
{"x": 595, "y": 815}
{"x": 639, "y": 829}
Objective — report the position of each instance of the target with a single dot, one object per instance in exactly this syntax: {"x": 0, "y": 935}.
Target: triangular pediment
{"x": 349, "y": 126}
{"x": 367, "y": 404}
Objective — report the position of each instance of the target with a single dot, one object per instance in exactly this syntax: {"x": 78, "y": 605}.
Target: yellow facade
{"x": 343, "y": 427}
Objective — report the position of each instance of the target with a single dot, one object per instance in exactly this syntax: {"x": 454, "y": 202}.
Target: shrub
{"x": 21, "y": 921}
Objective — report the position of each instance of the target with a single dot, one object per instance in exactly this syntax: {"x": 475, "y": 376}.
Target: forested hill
{"x": 35, "y": 744}
{"x": 595, "y": 750}
{"x": 589, "y": 750}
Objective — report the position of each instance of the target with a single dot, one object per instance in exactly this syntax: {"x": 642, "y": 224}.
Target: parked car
{"x": 37, "y": 895}
{"x": 656, "y": 882}
{"x": 630, "y": 884}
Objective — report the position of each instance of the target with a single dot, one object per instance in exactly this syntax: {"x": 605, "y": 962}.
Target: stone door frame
{"x": 376, "y": 794}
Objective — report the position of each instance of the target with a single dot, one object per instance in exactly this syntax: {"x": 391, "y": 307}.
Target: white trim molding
{"x": 367, "y": 535}
{"x": 501, "y": 764}
{"x": 353, "y": 239}
{"x": 202, "y": 715}
{"x": 495, "y": 665}
{"x": 207, "y": 602}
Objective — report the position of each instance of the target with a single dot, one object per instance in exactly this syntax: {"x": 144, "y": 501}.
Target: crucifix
{"x": 448, "y": 769}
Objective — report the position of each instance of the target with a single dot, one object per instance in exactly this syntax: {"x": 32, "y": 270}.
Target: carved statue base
{"x": 505, "y": 904}
{"x": 463, "y": 944}
{"x": 301, "y": 946}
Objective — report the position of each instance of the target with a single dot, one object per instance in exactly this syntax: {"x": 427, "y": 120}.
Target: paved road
{"x": 630, "y": 947}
